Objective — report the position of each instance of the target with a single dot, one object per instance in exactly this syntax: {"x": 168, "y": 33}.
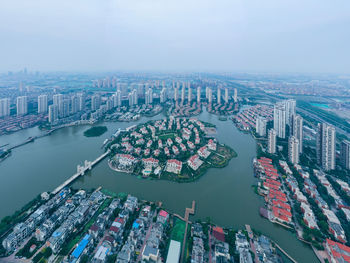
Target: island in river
{"x": 176, "y": 149}
{"x": 95, "y": 131}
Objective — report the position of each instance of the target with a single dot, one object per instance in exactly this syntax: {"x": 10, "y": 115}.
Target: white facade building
{"x": 4, "y": 107}
{"x": 293, "y": 150}
{"x": 325, "y": 146}
{"x": 271, "y": 141}
{"x": 22, "y": 105}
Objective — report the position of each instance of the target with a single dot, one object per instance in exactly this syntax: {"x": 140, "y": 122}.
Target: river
{"x": 225, "y": 195}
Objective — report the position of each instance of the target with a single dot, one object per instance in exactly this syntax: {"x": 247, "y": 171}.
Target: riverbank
{"x": 223, "y": 194}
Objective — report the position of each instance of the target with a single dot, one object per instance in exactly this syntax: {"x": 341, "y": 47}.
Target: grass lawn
{"x": 178, "y": 231}
{"x": 165, "y": 136}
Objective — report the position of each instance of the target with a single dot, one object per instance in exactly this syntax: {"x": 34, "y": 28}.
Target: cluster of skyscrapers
{"x": 287, "y": 123}
{"x": 62, "y": 105}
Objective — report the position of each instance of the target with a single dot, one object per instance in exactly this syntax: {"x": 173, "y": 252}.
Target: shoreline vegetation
{"x": 95, "y": 131}
{"x": 146, "y": 150}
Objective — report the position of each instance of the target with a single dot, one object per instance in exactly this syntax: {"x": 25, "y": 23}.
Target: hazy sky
{"x": 176, "y": 35}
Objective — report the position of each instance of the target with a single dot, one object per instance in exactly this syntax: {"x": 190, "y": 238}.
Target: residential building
{"x": 279, "y": 119}
{"x": 325, "y": 146}
{"x": 219, "y": 96}
{"x": 176, "y": 93}
{"x": 226, "y": 95}
{"x": 210, "y": 95}
{"x": 293, "y": 150}
{"x": 163, "y": 96}
{"x": 95, "y": 102}
{"x": 148, "y": 96}
{"x": 290, "y": 106}
{"x": 22, "y": 105}
{"x": 4, "y": 107}
{"x": 235, "y": 99}
{"x": 297, "y": 130}
{"x": 345, "y": 154}
{"x": 271, "y": 141}
{"x": 74, "y": 107}
{"x": 53, "y": 113}
{"x": 261, "y": 126}
{"x": 198, "y": 94}
{"x": 183, "y": 92}
{"x": 81, "y": 101}
{"x": 42, "y": 104}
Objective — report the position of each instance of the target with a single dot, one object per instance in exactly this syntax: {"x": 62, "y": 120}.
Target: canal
{"x": 224, "y": 195}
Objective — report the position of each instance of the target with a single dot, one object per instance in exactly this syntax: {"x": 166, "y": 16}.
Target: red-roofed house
{"x": 218, "y": 233}
{"x": 163, "y": 216}
{"x": 173, "y": 166}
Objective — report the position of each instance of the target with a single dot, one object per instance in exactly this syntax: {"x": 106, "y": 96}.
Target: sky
{"x": 280, "y": 36}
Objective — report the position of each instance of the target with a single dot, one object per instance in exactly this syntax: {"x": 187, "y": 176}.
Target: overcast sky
{"x": 176, "y": 35}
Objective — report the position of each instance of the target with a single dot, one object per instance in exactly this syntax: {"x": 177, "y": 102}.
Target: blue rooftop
{"x": 80, "y": 248}
{"x": 135, "y": 225}
{"x": 56, "y": 234}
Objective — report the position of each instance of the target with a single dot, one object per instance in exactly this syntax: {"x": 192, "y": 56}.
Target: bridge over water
{"x": 81, "y": 169}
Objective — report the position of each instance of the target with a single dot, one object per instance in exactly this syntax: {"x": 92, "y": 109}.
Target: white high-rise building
{"x": 176, "y": 93}
{"x": 183, "y": 92}
{"x": 297, "y": 130}
{"x": 279, "y": 119}
{"x": 74, "y": 105}
{"x": 42, "y": 104}
{"x": 162, "y": 96}
{"x": 95, "y": 102}
{"x": 235, "y": 99}
{"x": 345, "y": 154}
{"x": 198, "y": 94}
{"x": 81, "y": 101}
{"x": 260, "y": 126}
{"x": 219, "y": 96}
{"x": 109, "y": 104}
{"x": 53, "y": 113}
{"x": 210, "y": 96}
{"x": 293, "y": 150}
{"x": 149, "y": 96}
{"x": 65, "y": 111}
{"x": 271, "y": 141}
{"x": 119, "y": 98}
{"x": 325, "y": 146}
{"x": 189, "y": 95}
{"x": 131, "y": 99}
{"x": 58, "y": 100}
{"x": 4, "y": 107}
{"x": 22, "y": 105}
{"x": 226, "y": 95}
{"x": 290, "y": 106}
{"x": 136, "y": 97}
{"x": 207, "y": 93}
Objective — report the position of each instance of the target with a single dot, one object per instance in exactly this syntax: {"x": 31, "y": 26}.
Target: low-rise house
{"x": 194, "y": 162}
{"x": 163, "y": 217}
{"x": 150, "y": 162}
{"x": 173, "y": 166}
{"x": 203, "y": 152}
{"x": 338, "y": 252}
{"x": 211, "y": 145}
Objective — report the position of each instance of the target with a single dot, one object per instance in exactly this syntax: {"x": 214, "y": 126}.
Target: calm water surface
{"x": 225, "y": 195}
